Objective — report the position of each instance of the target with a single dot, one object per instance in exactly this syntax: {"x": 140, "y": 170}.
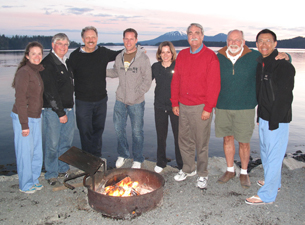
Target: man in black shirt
{"x": 89, "y": 63}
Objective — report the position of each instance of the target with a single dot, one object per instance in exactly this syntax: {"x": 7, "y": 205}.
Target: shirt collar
{"x": 63, "y": 60}
{"x": 198, "y": 50}
{"x": 234, "y": 58}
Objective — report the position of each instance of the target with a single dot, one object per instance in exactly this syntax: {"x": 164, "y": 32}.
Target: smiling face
{"x": 235, "y": 42}
{"x": 35, "y": 55}
{"x": 130, "y": 42}
{"x": 60, "y": 48}
{"x": 90, "y": 40}
{"x": 166, "y": 54}
{"x": 195, "y": 37}
{"x": 265, "y": 44}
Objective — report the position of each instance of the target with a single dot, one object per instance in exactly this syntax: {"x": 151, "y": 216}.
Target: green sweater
{"x": 238, "y": 85}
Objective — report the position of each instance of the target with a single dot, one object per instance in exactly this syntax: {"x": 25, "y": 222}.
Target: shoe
{"x": 38, "y": 186}
{"x": 52, "y": 181}
{"x": 180, "y": 176}
{"x": 202, "y": 182}
{"x": 65, "y": 175}
{"x": 29, "y": 191}
{"x": 158, "y": 169}
{"x": 226, "y": 177}
{"x": 136, "y": 165}
{"x": 120, "y": 162}
{"x": 244, "y": 180}
{"x": 261, "y": 183}
{"x": 259, "y": 202}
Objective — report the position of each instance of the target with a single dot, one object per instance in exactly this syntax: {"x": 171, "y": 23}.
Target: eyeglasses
{"x": 61, "y": 44}
{"x": 267, "y": 42}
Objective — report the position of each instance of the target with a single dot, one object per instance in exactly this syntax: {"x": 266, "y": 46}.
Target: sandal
{"x": 255, "y": 197}
{"x": 261, "y": 183}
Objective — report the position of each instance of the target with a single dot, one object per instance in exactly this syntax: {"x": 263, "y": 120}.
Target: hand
{"x": 282, "y": 55}
{"x": 205, "y": 115}
{"x": 25, "y": 132}
{"x": 63, "y": 119}
{"x": 176, "y": 110}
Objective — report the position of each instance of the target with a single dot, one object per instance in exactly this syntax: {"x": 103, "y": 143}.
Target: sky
{"x": 150, "y": 18}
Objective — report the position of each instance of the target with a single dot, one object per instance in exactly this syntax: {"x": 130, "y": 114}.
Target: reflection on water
{"x": 8, "y": 64}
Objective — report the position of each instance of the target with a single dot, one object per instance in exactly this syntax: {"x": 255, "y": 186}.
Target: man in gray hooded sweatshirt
{"x": 133, "y": 68}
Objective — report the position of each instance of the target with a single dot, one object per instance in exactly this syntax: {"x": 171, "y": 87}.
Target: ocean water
{"x": 10, "y": 59}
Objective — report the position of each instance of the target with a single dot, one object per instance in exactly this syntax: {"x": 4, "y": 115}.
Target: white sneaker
{"x": 158, "y": 169}
{"x": 120, "y": 162}
{"x": 180, "y": 176}
{"x": 29, "y": 191}
{"x": 202, "y": 182}
{"x": 136, "y": 165}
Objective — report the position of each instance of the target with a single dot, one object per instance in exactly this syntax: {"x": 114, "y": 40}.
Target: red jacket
{"x": 196, "y": 79}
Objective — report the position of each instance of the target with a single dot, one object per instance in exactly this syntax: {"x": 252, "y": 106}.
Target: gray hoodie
{"x": 134, "y": 82}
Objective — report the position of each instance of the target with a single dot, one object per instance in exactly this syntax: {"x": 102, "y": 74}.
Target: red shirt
{"x": 196, "y": 79}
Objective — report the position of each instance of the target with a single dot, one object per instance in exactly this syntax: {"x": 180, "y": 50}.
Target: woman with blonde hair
{"x": 26, "y": 116}
{"x": 162, "y": 72}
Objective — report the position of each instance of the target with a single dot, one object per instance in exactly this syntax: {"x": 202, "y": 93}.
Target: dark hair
{"x": 88, "y": 28}
{"x": 171, "y": 47}
{"x": 266, "y": 31}
{"x": 26, "y": 53}
{"x": 131, "y": 30}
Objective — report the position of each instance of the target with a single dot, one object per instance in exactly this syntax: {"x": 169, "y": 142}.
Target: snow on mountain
{"x": 181, "y": 35}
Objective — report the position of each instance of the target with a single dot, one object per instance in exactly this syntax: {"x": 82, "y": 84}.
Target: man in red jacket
{"x": 194, "y": 91}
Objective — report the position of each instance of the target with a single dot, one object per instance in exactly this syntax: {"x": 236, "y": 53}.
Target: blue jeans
{"x": 273, "y": 145}
{"x": 57, "y": 139}
{"x": 136, "y": 113}
{"x": 28, "y": 152}
{"x": 90, "y": 119}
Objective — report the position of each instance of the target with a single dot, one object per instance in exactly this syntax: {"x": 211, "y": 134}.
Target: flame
{"x": 124, "y": 188}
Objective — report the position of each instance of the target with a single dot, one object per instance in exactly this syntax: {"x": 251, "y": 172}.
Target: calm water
{"x": 8, "y": 64}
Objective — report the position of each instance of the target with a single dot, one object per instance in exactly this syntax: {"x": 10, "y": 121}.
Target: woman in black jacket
{"x": 162, "y": 72}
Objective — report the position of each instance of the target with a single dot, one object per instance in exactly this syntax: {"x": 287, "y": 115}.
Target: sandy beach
{"x": 183, "y": 203}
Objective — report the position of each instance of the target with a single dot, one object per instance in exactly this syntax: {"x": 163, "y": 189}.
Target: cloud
{"x": 79, "y": 11}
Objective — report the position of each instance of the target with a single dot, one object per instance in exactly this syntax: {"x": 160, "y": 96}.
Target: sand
{"x": 183, "y": 203}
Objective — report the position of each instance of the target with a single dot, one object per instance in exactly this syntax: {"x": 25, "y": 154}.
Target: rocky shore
{"x": 183, "y": 203}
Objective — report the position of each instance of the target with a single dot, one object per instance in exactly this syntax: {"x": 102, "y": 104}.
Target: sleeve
{"x": 213, "y": 84}
{"x": 153, "y": 71}
{"x": 112, "y": 54}
{"x": 146, "y": 76}
{"x": 175, "y": 84}
{"x": 21, "y": 86}
{"x": 285, "y": 73}
{"x": 50, "y": 93}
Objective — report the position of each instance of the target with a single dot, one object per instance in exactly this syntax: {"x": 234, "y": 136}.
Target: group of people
{"x": 188, "y": 87}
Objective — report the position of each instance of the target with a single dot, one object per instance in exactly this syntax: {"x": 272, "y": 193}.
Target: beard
{"x": 234, "y": 48}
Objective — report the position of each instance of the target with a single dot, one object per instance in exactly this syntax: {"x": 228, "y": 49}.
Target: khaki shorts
{"x": 237, "y": 123}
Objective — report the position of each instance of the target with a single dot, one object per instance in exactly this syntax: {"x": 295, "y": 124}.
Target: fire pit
{"x": 129, "y": 206}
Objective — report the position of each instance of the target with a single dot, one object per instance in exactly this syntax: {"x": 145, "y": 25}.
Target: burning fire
{"x": 125, "y": 187}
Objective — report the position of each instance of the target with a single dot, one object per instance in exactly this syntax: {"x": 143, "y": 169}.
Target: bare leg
{"x": 229, "y": 149}
{"x": 244, "y": 154}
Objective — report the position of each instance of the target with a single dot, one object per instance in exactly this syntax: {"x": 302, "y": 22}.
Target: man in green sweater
{"x": 235, "y": 109}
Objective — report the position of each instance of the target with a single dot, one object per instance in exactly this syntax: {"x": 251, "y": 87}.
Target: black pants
{"x": 90, "y": 120}
{"x": 161, "y": 120}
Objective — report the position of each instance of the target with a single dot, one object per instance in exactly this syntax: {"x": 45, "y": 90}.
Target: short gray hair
{"x": 196, "y": 25}
{"x": 60, "y": 37}
{"x": 240, "y": 31}
{"x": 89, "y": 28}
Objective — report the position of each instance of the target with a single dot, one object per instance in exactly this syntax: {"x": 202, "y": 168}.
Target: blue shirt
{"x": 198, "y": 50}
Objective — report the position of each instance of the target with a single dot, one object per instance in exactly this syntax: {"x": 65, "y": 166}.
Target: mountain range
{"x": 181, "y": 35}
{"x": 179, "y": 38}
